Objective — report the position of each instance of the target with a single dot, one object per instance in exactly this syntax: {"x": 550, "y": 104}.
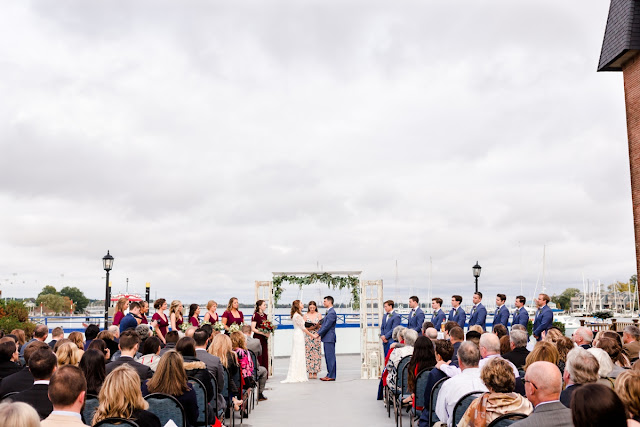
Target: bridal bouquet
{"x": 235, "y": 328}
{"x": 218, "y": 326}
{"x": 267, "y": 327}
{"x": 184, "y": 326}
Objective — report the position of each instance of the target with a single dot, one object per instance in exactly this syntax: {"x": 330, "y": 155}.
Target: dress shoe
{"x": 261, "y": 398}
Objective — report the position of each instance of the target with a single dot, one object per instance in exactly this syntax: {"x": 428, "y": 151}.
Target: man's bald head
{"x": 489, "y": 344}
{"x": 432, "y": 333}
{"x": 582, "y": 336}
{"x": 545, "y": 382}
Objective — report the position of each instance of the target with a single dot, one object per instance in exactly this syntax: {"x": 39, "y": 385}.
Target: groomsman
{"x": 416, "y": 315}
{"x": 457, "y": 313}
{"x": 390, "y": 320}
{"x": 544, "y": 316}
{"x": 478, "y": 312}
{"x": 438, "y": 314}
{"x": 502, "y": 312}
{"x": 520, "y": 315}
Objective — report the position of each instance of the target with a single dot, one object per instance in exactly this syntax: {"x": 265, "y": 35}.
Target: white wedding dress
{"x": 298, "y": 361}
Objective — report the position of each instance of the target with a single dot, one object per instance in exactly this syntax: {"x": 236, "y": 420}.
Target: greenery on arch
{"x": 353, "y": 283}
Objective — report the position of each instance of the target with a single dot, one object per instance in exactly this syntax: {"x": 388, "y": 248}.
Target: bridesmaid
{"x": 194, "y": 315}
{"x": 144, "y": 309}
{"x": 121, "y": 306}
{"x": 312, "y": 345}
{"x": 211, "y": 316}
{"x": 232, "y": 315}
{"x": 175, "y": 315}
{"x": 258, "y": 317}
{"x": 160, "y": 318}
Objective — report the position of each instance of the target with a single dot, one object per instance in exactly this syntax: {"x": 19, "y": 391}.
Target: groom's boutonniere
{"x": 390, "y": 314}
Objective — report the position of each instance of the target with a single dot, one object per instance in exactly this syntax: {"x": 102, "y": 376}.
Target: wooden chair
{"x": 507, "y": 420}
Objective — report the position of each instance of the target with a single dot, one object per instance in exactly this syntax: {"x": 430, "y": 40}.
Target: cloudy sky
{"x": 207, "y": 144}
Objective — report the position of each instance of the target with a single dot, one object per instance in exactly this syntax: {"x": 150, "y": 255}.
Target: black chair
{"x": 433, "y": 398}
{"x": 8, "y": 396}
{"x": 462, "y": 404}
{"x": 254, "y": 390}
{"x": 201, "y": 395}
{"x": 166, "y": 408}
{"x": 389, "y": 394}
{"x": 91, "y": 403}
{"x": 507, "y": 420}
{"x": 421, "y": 385}
{"x": 225, "y": 391}
{"x": 116, "y": 422}
{"x": 402, "y": 388}
{"x": 214, "y": 398}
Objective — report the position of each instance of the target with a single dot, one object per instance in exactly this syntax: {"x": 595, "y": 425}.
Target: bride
{"x": 298, "y": 362}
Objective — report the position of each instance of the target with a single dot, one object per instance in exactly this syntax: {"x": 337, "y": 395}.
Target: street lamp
{"x": 476, "y": 273}
{"x": 107, "y": 264}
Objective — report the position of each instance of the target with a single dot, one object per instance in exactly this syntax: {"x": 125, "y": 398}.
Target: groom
{"x": 328, "y": 333}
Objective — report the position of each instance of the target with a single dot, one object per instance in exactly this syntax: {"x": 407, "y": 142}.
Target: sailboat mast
{"x": 430, "y": 290}
{"x": 544, "y": 252}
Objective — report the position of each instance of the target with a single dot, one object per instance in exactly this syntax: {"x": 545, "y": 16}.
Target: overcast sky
{"x": 207, "y": 144}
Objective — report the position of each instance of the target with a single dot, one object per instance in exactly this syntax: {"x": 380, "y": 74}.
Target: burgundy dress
{"x": 117, "y": 318}
{"x": 143, "y": 319}
{"x": 162, "y": 323}
{"x": 263, "y": 359}
{"x": 194, "y": 321}
{"x": 179, "y": 322}
{"x": 231, "y": 320}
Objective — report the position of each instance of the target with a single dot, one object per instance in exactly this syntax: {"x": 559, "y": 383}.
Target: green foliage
{"x": 563, "y": 300}
{"x": 605, "y": 314}
{"x": 334, "y": 282}
{"x": 56, "y": 303}
{"x": 14, "y": 315}
{"x": 8, "y": 324}
{"x": 560, "y": 326}
{"x": 80, "y": 302}
{"x": 529, "y": 327}
{"x": 48, "y": 290}
{"x": 16, "y": 310}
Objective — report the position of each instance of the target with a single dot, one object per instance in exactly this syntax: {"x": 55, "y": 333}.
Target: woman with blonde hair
{"x": 239, "y": 345}
{"x": 211, "y": 316}
{"x": 175, "y": 315}
{"x": 170, "y": 378}
{"x": 18, "y": 414}
{"x": 121, "y": 306}
{"x": 77, "y": 338}
{"x": 120, "y": 397}
{"x": 232, "y": 315}
{"x": 223, "y": 349}
{"x": 543, "y": 351}
{"x": 627, "y": 388}
{"x": 69, "y": 354}
{"x": 22, "y": 337}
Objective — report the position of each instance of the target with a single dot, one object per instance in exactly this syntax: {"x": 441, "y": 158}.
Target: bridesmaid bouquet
{"x": 184, "y": 326}
{"x": 267, "y": 327}
{"x": 218, "y": 326}
{"x": 235, "y": 328}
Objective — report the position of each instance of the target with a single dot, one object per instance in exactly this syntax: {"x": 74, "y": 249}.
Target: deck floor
{"x": 349, "y": 401}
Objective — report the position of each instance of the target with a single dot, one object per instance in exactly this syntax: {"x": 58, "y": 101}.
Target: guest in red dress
{"x": 160, "y": 318}
{"x": 121, "y": 306}
{"x": 175, "y": 315}
{"x": 232, "y": 314}
{"x": 259, "y": 316}
{"x": 194, "y": 315}
{"x": 211, "y": 316}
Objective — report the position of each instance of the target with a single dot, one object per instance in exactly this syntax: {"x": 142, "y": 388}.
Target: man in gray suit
{"x": 214, "y": 366}
{"x": 254, "y": 345}
{"x": 543, "y": 384}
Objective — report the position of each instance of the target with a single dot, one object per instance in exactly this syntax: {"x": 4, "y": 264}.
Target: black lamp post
{"x": 107, "y": 264}
{"x": 476, "y": 273}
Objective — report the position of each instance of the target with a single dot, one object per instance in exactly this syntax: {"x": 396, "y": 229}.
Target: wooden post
{"x": 581, "y": 322}
{"x": 614, "y": 325}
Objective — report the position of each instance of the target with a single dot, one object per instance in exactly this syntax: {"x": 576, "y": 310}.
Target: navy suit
{"x": 520, "y": 317}
{"x": 478, "y": 316}
{"x": 459, "y": 316}
{"x": 389, "y": 322}
{"x": 416, "y": 319}
{"x": 501, "y": 316}
{"x": 544, "y": 321}
{"x": 328, "y": 334}
{"x": 437, "y": 319}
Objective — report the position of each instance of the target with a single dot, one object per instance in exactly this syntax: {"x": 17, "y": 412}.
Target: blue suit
{"x": 544, "y": 320}
{"x": 478, "y": 316}
{"x": 501, "y": 316}
{"x": 328, "y": 334}
{"x": 520, "y": 317}
{"x": 437, "y": 319}
{"x": 459, "y": 316}
{"x": 416, "y": 319}
{"x": 386, "y": 328}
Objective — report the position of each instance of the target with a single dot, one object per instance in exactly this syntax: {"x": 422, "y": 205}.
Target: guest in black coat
{"x": 56, "y": 334}
{"x": 581, "y": 368}
{"x": 193, "y": 366}
{"x": 518, "y": 354}
{"x": 42, "y": 364}
{"x": 23, "y": 379}
{"x": 129, "y": 342}
{"x": 9, "y": 357}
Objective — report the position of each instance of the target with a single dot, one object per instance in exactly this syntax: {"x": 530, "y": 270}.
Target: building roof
{"x": 621, "y": 36}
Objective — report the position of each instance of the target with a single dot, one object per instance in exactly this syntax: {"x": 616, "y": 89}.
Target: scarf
{"x": 490, "y": 406}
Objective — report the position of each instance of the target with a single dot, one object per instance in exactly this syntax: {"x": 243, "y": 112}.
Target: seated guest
{"x": 213, "y": 363}
{"x": 120, "y": 397}
{"x": 170, "y": 378}
{"x": 67, "y": 390}
{"x": 60, "y": 342}
{"x": 221, "y": 347}
{"x": 476, "y": 328}
{"x": 244, "y": 360}
{"x": 255, "y": 346}
{"x": 595, "y": 405}
{"x": 518, "y": 344}
{"x": 543, "y": 384}
{"x": 605, "y": 365}
{"x": 628, "y": 389}
{"x": 500, "y": 330}
{"x": 40, "y": 334}
{"x": 92, "y": 365}
{"x": 423, "y": 358}
{"x": 581, "y": 368}
{"x": 69, "y": 354}
{"x": 128, "y": 345}
{"x": 505, "y": 345}
{"x": 443, "y": 353}
{"x": 456, "y": 336}
{"x": 90, "y": 334}
{"x": 151, "y": 352}
{"x": 563, "y": 344}
{"x": 109, "y": 340}
{"x": 131, "y": 320}
{"x": 467, "y": 381}
{"x": 631, "y": 345}
{"x": 450, "y": 324}
{"x": 431, "y": 333}
{"x": 474, "y": 337}
{"x": 115, "y": 331}
{"x": 42, "y": 364}
{"x": 397, "y": 337}
{"x": 9, "y": 357}
{"x": 56, "y": 334}
{"x": 195, "y": 368}
{"x": 23, "y": 379}
{"x": 501, "y": 399}
{"x": 398, "y": 354}
{"x": 143, "y": 332}
{"x": 77, "y": 338}
{"x": 542, "y": 352}
{"x": 583, "y": 337}
{"x": 18, "y": 414}
{"x": 101, "y": 346}
{"x": 614, "y": 350}
{"x": 171, "y": 340}
{"x": 426, "y": 325}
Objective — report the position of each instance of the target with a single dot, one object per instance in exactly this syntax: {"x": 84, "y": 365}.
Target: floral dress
{"x": 312, "y": 349}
